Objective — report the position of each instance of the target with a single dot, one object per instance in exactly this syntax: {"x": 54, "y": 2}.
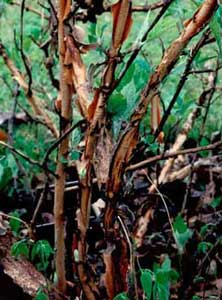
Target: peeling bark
{"x": 128, "y": 140}
{"x": 65, "y": 122}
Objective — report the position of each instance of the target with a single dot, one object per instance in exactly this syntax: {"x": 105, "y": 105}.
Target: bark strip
{"x": 129, "y": 138}
{"x": 65, "y": 122}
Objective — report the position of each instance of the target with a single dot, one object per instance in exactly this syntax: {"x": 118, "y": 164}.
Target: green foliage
{"x": 15, "y": 223}
{"x": 204, "y": 142}
{"x": 75, "y": 155}
{"x": 8, "y": 169}
{"x": 41, "y": 295}
{"x": 156, "y": 283}
{"x": 216, "y": 202}
{"x": 121, "y": 296}
{"x": 203, "y": 247}
{"x": 20, "y": 248}
{"x": 182, "y": 232}
{"x": 146, "y": 279}
{"x": 38, "y": 252}
{"x": 34, "y": 140}
{"x": 116, "y": 104}
{"x": 41, "y": 252}
{"x": 216, "y": 27}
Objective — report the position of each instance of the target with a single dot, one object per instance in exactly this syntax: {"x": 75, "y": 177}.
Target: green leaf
{"x": 121, "y": 296}
{"x": 75, "y": 155}
{"x": 12, "y": 164}
{"x": 6, "y": 177}
{"x": 199, "y": 279}
{"x": 179, "y": 225}
{"x": 34, "y": 31}
{"x": 15, "y": 224}
{"x": 166, "y": 265}
{"x": 20, "y": 248}
{"x": 203, "y": 247}
{"x": 204, "y": 230}
{"x": 204, "y": 142}
{"x": 42, "y": 252}
{"x": 182, "y": 233}
{"x": 41, "y": 295}
{"x": 92, "y": 32}
{"x": 1, "y": 172}
{"x": 163, "y": 292}
{"x": 63, "y": 160}
{"x": 216, "y": 202}
{"x": 162, "y": 277}
{"x": 117, "y": 104}
{"x": 174, "y": 275}
{"x": 146, "y": 279}
{"x": 216, "y": 28}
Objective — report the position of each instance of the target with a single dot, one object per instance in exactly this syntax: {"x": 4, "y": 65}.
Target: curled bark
{"x": 65, "y": 122}
{"x": 129, "y": 138}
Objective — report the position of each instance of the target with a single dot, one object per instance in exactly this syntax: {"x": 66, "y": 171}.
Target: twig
{"x": 15, "y": 218}
{"x": 40, "y": 201}
{"x": 28, "y": 159}
{"x": 134, "y": 54}
{"x": 24, "y": 58}
{"x": 211, "y": 78}
{"x": 164, "y": 156}
{"x": 145, "y": 8}
{"x": 185, "y": 171}
{"x": 69, "y": 186}
{"x": 30, "y": 9}
{"x": 34, "y": 101}
{"x": 166, "y": 208}
{"x": 187, "y": 126}
{"x": 54, "y": 11}
{"x": 59, "y": 140}
{"x": 182, "y": 81}
{"x": 129, "y": 137}
{"x": 84, "y": 16}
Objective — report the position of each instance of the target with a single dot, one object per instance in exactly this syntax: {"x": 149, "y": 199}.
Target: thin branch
{"x": 166, "y": 155}
{"x": 34, "y": 101}
{"x": 24, "y": 57}
{"x": 167, "y": 211}
{"x": 145, "y": 8}
{"x": 60, "y": 139}
{"x": 27, "y": 158}
{"x": 16, "y": 219}
{"x": 129, "y": 138}
{"x": 205, "y": 97}
{"x": 86, "y": 15}
{"x": 30, "y": 9}
{"x": 183, "y": 79}
{"x": 134, "y": 54}
{"x": 40, "y": 201}
{"x": 193, "y": 167}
